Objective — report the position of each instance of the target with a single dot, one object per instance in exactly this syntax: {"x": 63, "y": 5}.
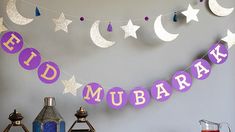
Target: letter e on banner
{"x": 12, "y": 42}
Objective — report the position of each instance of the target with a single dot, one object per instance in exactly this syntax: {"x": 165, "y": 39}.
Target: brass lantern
{"x": 16, "y": 119}
{"x": 81, "y": 118}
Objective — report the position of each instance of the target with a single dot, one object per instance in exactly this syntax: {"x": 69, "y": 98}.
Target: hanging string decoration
{"x": 191, "y": 14}
{"x": 218, "y": 10}
{"x": 71, "y": 86}
{"x": 175, "y": 18}
{"x": 117, "y": 98}
{"x": 161, "y": 32}
{"x": 110, "y": 27}
{"x": 62, "y": 23}
{"x": 37, "y": 12}
{"x": 2, "y": 27}
{"x": 130, "y": 30}
{"x": 229, "y": 39}
{"x": 97, "y": 38}
{"x": 14, "y": 15}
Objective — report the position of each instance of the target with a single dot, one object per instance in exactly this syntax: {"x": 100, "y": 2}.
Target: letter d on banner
{"x": 48, "y": 72}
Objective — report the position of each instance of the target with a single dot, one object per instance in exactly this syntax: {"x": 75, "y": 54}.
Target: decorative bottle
{"x": 49, "y": 120}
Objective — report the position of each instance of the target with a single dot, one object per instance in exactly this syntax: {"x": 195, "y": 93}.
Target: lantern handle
{"x": 90, "y": 126}
{"x": 70, "y": 129}
{"x": 24, "y": 128}
{"x": 8, "y": 128}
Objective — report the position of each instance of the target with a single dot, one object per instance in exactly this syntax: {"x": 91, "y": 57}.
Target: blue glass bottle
{"x": 49, "y": 120}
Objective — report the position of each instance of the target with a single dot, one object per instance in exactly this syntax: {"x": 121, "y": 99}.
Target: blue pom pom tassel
{"x": 37, "y": 12}
{"x": 110, "y": 27}
{"x": 175, "y": 19}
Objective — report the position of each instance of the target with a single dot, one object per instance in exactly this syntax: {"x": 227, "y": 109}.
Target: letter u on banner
{"x": 116, "y": 98}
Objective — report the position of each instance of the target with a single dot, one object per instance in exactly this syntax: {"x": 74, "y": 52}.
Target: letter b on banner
{"x": 139, "y": 97}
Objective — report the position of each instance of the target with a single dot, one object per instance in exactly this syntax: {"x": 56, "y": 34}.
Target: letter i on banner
{"x": 12, "y": 42}
{"x": 29, "y": 58}
{"x": 218, "y": 54}
{"x": 139, "y": 97}
{"x": 116, "y": 98}
{"x": 93, "y": 93}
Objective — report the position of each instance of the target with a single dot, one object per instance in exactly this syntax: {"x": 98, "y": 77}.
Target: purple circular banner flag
{"x": 200, "y": 69}
{"x": 93, "y": 93}
{"x": 181, "y": 81}
{"x": 29, "y": 58}
{"x": 116, "y": 98}
{"x": 12, "y": 42}
{"x": 218, "y": 54}
{"x": 48, "y": 72}
{"x": 161, "y": 91}
{"x": 139, "y": 97}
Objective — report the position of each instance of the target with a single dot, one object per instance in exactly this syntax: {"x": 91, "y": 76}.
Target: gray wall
{"x": 128, "y": 64}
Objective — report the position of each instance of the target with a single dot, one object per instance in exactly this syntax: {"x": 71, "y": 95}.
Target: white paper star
{"x": 191, "y": 14}
{"x": 229, "y": 39}
{"x": 2, "y": 27}
{"x": 130, "y": 29}
{"x": 62, "y": 23}
{"x": 71, "y": 86}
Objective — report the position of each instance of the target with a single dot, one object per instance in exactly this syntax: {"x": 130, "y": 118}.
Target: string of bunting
{"x": 117, "y": 98}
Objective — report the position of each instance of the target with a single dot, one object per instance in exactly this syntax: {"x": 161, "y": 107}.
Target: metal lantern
{"x": 81, "y": 118}
{"x": 16, "y": 119}
{"x": 49, "y": 119}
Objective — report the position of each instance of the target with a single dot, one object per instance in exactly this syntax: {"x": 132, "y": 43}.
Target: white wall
{"x": 128, "y": 64}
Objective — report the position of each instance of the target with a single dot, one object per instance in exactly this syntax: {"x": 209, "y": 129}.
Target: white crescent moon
{"x": 219, "y": 10}
{"x": 161, "y": 32}
{"x": 96, "y": 37}
{"x": 14, "y": 15}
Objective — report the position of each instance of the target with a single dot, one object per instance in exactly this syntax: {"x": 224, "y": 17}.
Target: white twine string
{"x": 88, "y": 18}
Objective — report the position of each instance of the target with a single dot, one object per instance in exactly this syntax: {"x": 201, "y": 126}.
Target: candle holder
{"x": 49, "y": 119}
{"x": 16, "y": 119}
{"x": 81, "y": 118}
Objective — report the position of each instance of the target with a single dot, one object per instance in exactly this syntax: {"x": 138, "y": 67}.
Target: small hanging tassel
{"x": 175, "y": 19}
{"x": 37, "y": 12}
{"x": 110, "y": 27}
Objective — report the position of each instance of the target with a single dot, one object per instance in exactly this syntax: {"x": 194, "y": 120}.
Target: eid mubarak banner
{"x": 161, "y": 90}
{"x": 117, "y": 98}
